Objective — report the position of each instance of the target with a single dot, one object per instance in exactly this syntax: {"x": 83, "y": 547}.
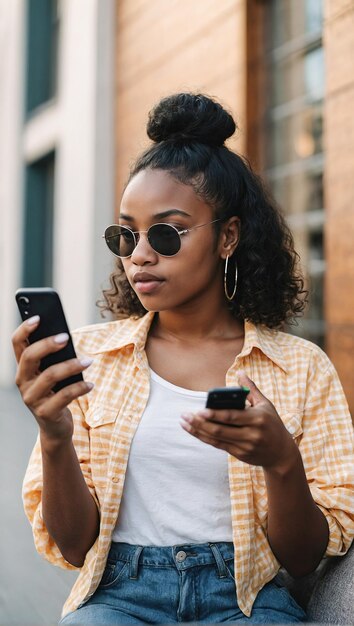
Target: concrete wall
{"x": 11, "y": 81}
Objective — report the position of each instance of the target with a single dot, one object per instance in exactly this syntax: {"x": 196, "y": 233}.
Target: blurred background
{"x": 78, "y": 78}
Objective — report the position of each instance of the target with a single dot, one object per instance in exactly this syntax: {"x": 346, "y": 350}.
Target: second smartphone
{"x": 227, "y": 398}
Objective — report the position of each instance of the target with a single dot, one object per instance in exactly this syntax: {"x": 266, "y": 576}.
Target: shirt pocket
{"x": 101, "y": 420}
{"x": 99, "y": 415}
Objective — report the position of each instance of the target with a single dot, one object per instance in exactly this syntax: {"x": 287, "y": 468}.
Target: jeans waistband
{"x": 181, "y": 556}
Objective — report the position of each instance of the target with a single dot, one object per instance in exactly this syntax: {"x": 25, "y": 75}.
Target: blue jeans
{"x": 184, "y": 583}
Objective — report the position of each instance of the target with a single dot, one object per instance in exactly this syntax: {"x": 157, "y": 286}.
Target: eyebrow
{"x": 158, "y": 215}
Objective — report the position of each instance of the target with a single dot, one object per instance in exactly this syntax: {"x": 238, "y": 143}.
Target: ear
{"x": 229, "y": 237}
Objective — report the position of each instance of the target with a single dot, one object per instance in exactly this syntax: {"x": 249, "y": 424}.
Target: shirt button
{"x": 181, "y": 556}
{"x": 115, "y": 479}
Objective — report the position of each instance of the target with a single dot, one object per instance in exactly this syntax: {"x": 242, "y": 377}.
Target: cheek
{"x": 196, "y": 267}
{"x": 126, "y": 264}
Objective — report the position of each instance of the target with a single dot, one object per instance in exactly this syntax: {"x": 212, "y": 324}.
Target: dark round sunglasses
{"x": 165, "y": 239}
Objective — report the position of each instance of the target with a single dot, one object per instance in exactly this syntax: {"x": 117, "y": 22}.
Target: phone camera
{"x": 23, "y": 301}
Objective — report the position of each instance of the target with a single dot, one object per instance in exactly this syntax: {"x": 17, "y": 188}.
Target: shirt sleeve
{"x": 327, "y": 449}
{"x": 33, "y": 487}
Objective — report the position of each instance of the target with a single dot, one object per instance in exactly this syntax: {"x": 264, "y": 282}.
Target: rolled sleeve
{"x": 33, "y": 487}
{"x": 328, "y": 454}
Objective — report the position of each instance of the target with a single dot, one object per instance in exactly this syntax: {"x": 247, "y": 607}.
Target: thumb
{"x": 255, "y": 396}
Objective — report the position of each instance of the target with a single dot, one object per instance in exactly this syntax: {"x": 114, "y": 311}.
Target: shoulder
{"x": 302, "y": 355}
{"x": 293, "y": 352}
{"x": 294, "y": 342}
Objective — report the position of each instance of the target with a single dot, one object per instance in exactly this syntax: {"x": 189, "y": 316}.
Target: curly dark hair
{"x": 189, "y": 132}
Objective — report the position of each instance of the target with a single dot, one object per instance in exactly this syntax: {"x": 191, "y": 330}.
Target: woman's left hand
{"x": 255, "y": 435}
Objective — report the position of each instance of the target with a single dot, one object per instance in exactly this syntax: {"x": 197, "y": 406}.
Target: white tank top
{"x": 176, "y": 487}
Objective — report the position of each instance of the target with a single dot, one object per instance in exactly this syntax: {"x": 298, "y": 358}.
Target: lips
{"x": 146, "y": 283}
{"x": 143, "y": 277}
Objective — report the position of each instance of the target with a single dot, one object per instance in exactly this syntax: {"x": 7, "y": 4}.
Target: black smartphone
{"x": 45, "y": 302}
{"x": 227, "y": 398}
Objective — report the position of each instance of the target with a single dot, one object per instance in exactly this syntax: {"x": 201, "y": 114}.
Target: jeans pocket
{"x": 230, "y": 568}
{"x": 113, "y": 572}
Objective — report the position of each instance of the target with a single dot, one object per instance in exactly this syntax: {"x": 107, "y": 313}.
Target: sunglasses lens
{"x": 120, "y": 240}
{"x": 164, "y": 239}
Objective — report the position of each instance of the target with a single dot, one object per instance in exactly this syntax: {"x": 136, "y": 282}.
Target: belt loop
{"x": 222, "y": 569}
{"x": 134, "y": 562}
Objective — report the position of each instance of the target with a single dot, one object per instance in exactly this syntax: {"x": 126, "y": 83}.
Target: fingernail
{"x": 61, "y": 338}
{"x": 186, "y": 426}
{"x": 86, "y": 361}
{"x": 90, "y": 385}
{"x": 33, "y": 320}
{"x": 205, "y": 413}
{"x": 188, "y": 417}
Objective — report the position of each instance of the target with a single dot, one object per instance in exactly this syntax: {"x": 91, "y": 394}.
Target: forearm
{"x": 297, "y": 529}
{"x": 68, "y": 509}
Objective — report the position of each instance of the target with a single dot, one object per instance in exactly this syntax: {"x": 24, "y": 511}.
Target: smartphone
{"x": 45, "y": 302}
{"x": 227, "y": 398}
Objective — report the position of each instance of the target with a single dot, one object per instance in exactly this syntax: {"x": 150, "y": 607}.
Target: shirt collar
{"x": 134, "y": 332}
{"x": 128, "y": 332}
{"x": 265, "y": 339}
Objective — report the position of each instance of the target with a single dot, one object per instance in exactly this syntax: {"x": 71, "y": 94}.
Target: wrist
{"x": 53, "y": 443}
{"x": 290, "y": 462}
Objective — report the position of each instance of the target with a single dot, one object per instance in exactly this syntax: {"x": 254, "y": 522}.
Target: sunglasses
{"x": 165, "y": 239}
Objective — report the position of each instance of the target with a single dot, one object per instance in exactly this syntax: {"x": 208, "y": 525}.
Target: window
{"x": 38, "y": 223}
{"x": 292, "y": 143}
{"x": 42, "y": 51}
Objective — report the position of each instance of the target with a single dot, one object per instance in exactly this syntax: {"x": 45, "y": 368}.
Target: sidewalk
{"x": 32, "y": 592}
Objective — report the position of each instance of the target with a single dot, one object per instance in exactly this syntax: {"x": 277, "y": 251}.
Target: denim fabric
{"x": 184, "y": 583}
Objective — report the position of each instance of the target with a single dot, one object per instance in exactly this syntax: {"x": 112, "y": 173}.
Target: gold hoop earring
{"x": 225, "y": 280}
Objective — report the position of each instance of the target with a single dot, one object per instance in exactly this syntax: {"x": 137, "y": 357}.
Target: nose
{"x": 143, "y": 253}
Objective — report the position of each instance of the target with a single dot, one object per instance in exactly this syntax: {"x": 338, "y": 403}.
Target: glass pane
{"x": 38, "y": 233}
{"x": 293, "y": 132}
{"x": 316, "y": 297}
{"x": 295, "y": 137}
{"x": 298, "y": 76}
{"x": 291, "y": 19}
{"x": 315, "y": 74}
{"x": 314, "y": 15}
{"x": 299, "y": 193}
{"x": 42, "y": 51}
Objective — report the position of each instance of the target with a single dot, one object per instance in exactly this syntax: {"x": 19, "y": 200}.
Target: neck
{"x": 198, "y": 321}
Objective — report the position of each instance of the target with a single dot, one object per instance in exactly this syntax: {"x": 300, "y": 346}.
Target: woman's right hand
{"x": 50, "y": 409}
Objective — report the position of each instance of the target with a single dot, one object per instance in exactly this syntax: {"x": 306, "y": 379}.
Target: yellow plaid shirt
{"x": 294, "y": 374}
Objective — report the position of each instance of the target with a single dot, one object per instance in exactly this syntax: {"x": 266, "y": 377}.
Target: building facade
{"x": 78, "y": 79}
{"x": 56, "y": 155}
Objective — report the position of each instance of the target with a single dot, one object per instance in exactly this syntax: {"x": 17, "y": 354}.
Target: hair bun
{"x": 188, "y": 117}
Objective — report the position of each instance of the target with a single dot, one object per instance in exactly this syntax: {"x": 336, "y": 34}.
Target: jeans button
{"x": 180, "y": 556}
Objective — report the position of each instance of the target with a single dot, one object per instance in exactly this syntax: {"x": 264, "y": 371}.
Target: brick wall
{"x": 339, "y": 189}
{"x": 165, "y": 46}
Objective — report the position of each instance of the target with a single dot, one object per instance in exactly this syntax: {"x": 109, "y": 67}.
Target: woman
{"x": 175, "y": 512}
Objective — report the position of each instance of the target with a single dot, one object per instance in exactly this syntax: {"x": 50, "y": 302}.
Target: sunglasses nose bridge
{"x": 141, "y": 239}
